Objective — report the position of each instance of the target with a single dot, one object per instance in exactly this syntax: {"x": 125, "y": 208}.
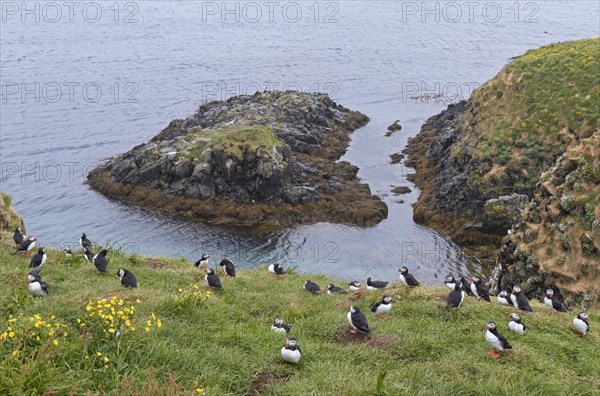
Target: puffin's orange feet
{"x": 353, "y": 331}
{"x": 494, "y": 354}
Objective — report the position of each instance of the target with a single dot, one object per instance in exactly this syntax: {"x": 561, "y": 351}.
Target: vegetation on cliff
{"x": 177, "y": 337}
{"x": 481, "y": 161}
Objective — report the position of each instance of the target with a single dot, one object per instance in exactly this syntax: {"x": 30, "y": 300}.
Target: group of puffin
{"x": 290, "y": 352}
{"x": 38, "y": 287}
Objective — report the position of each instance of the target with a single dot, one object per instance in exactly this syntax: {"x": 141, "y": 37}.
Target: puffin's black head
{"x": 83, "y": 235}
{"x": 449, "y": 279}
{"x": 33, "y": 277}
{"x": 458, "y": 286}
{"x": 18, "y": 229}
{"x": 490, "y": 326}
{"x": 368, "y": 280}
{"x": 476, "y": 280}
{"x": 120, "y": 272}
{"x": 275, "y": 265}
{"x": 549, "y": 293}
{"x": 278, "y": 321}
{"x": 517, "y": 289}
{"x": 386, "y": 299}
{"x": 515, "y": 317}
{"x": 503, "y": 294}
{"x": 584, "y": 316}
{"x": 291, "y": 342}
{"x": 354, "y": 308}
{"x": 41, "y": 251}
{"x": 210, "y": 271}
{"x": 355, "y": 284}
{"x": 330, "y": 286}
{"x": 403, "y": 270}
{"x": 103, "y": 252}
{"x": 307, "y": 281}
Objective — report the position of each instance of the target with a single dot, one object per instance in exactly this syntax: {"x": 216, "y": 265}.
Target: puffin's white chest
{"x": 548, "y": 302}
{"x": 516, "y": 327}
{"x": 492, "y": 339}
{"x": 514, "y": 300}
{"x": 36, "y": 289}
{"x": 349, "y": 316}
{"x": 353, "y": 288}
{"x": 383, "y": 308}
{"x": 272, "y": 268}
{"x": 290, "y": 356}
{"x": 31, "y": 246}
{"x": 43, "y": 259}
{"x": 474, "y": 289}
{"x": 580, "y": 326}
{"x": 451, "y": 285}
{"x": 371, "y": 288}
{"x": 402, "y": 279}
{"x": 277, "y": 329}
{"x": 503, "y": 301}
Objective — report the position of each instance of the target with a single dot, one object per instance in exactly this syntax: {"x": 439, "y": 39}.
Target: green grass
{"x": 233, "y": 141}
{"x": 524, "y": 114}
{"x": 223, "y": 342}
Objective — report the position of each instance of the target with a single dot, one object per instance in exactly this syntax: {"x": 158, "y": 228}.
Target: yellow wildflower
{"x": 55, "y": 342}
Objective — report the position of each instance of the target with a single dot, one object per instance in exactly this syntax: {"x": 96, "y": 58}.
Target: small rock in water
{"x": 401, "y": 190}
{"x": 393, "y": 128}
{"x": 396, "y": 158}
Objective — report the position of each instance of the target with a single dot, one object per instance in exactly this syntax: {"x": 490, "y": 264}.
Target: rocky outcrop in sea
{"x": 253, "y": 159}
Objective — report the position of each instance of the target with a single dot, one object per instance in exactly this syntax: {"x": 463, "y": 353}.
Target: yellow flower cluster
{"x": 193, "y": 293}
{"x": 114, "y": 316}
{"x": 29, "y": 333}
{"x": 111, "y": 316}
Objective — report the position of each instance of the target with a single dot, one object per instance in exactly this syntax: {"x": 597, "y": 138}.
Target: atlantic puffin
{"x": 495, "y": 339}
{"x": 18, "y": 237}
{"x": 228, "y": 267}
{"x": 450, "y": 281}
{"x": 520, "y": 300}
{"x": 455, "y": 297}
{"x": 382, "y": 307}
{"x": 479, "y": 290}
{"x": 332, "y": 289}
{"x": 515, "y": 323}
{"x": 466, "y": 285}
{"x": 276, "y": 269}
{"x": 358, "y": 320}
{"x": 88, "y": 255}
{"x": 39, "y": 259}
{"x": 203, "y": 260}
{"x": 37, "y": 287}
{"x": 375, "y": 285}
{"x": 280, "y": 327}
{"x": 311, "y": 286}
{"x": 68, "y": 252}
{"x": 127, "y": 278}
{"x": 212, "y": 279}
{"x": 27, "y": 244}
{"x": 291, "y": 351}
{"x": 504, "y": 298}
{"x": 354, "y": 286}
{"x": 407, "y": 278}
{"x": 553, "y": 302}
{"x": 100, "y": 260}
{"x": 582, "y": 324}
{"x": 84, "y": 242}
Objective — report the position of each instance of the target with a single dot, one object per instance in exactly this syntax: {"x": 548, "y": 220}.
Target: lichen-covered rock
{"x": 268, "y": 157}
{"x": 501, "y": 213}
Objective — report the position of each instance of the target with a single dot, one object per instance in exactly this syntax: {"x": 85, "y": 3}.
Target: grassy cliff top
{"x": 189, "y": 341}
{"x": 525, "y": 117}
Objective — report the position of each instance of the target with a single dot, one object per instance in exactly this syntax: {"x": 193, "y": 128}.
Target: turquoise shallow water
{"x": 92, "y": 84}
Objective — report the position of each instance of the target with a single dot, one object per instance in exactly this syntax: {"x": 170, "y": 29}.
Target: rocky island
{"x": 517, "y": 166}
{"x": 265, "y": 159}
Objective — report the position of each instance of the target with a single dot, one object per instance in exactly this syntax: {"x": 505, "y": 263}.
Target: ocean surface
{"x": 81, "y": 83}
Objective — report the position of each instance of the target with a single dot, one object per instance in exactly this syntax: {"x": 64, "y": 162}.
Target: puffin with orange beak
{"x": 291, "y": 351}
{"x": 495, "y": 339}
{"x": 582, "y": 324}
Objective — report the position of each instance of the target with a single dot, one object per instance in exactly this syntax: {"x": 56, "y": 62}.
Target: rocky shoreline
{"x": 264, "y": 159}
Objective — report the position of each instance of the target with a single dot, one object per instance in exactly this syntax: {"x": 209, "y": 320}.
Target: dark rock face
{"x": 250, "y": 159}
